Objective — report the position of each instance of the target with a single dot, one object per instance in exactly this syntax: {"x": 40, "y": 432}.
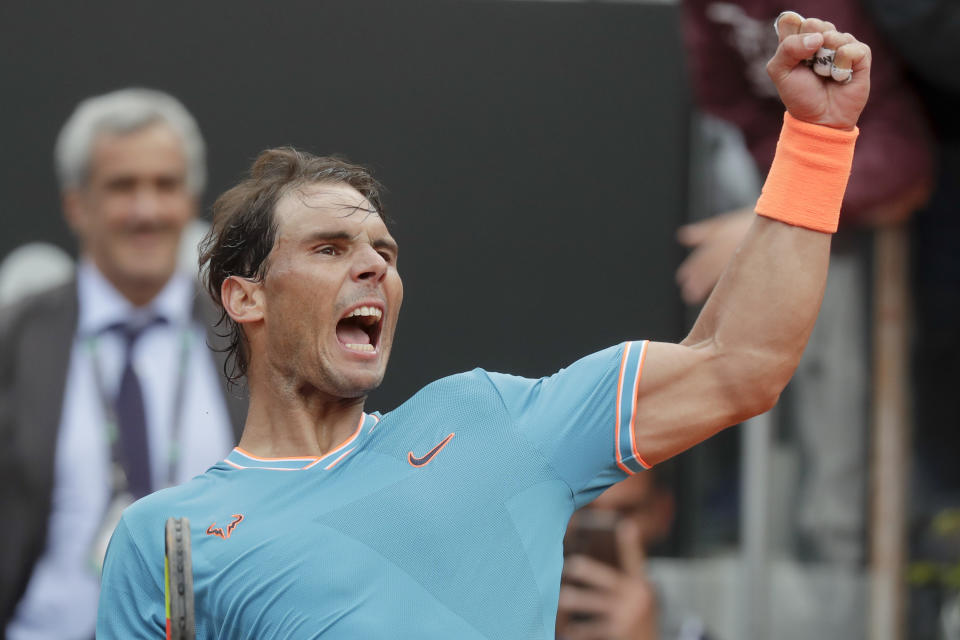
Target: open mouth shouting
{"x": 359, "y": 330}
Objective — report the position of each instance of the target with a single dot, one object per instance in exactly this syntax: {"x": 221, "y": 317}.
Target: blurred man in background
{"x": 108, "y": 390}
{"x": 927, "y": 34}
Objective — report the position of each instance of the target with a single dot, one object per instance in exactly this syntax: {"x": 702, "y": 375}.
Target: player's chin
{"x": 359, "y": 371}
{"x": 358, "y": 386}
{"x": 357, "y": 379}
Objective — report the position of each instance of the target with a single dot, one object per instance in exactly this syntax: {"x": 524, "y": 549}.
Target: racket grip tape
{"x": 178, "y": 580}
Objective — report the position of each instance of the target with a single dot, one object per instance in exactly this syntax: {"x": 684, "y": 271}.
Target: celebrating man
{"x": 445, "y": 517}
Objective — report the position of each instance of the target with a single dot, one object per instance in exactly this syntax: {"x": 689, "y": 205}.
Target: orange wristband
{"x": 809, "y": 175}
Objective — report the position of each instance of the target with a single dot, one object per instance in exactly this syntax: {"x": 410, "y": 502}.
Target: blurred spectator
{"x": 729, "y": 43}
{"x": 107, "y": 387}
{"x": 927, "y": 34}
{"x": 606, "y": 592}
{"x": 32, "y": 268}
{"x": 933, "y": 57}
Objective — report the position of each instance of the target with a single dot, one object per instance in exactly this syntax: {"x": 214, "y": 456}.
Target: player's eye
{"x": 327, "y": 250}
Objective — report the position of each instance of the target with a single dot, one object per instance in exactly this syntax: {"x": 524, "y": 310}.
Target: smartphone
{"x": 593, "y": 533}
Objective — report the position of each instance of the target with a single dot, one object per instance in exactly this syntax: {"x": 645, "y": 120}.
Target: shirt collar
{"x": 240, "y": 459}
{"x": 102, "y": 306}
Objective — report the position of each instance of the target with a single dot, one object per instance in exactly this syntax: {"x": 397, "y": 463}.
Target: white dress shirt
{"x": 61, "y": 598}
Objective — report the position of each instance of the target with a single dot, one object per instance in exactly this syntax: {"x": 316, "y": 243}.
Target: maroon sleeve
{"x": 724, "y": 85}
{"x": 727, "y": 47}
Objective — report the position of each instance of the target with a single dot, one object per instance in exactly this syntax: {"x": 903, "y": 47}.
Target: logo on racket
{"x": 214, "y": 530}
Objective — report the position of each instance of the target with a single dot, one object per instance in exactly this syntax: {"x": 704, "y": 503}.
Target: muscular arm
{"x": 751, "y": 333}
{"x": 744, "y": 346}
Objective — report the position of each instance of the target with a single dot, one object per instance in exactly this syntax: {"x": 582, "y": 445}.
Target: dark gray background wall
{"x": 534, "y": 152}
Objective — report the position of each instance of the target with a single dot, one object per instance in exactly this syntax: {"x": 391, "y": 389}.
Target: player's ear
{"x": 242, "y": 299}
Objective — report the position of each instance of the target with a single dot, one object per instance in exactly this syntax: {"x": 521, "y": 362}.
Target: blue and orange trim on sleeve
{"x": 625, "y": 434}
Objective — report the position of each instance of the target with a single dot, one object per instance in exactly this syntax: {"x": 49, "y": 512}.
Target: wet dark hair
{"x": 244, "y": 227}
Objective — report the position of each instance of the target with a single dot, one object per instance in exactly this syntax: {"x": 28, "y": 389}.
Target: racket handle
{"x": 178, "y": 580}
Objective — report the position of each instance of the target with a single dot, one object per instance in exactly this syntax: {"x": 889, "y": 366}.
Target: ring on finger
{"x": 843, "y": 76}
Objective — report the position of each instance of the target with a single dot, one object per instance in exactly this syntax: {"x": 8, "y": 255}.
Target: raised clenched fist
{"x": 834, "y": 99}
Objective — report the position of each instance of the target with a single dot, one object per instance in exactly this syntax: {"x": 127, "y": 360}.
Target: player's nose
{"x": 369, "y": 265}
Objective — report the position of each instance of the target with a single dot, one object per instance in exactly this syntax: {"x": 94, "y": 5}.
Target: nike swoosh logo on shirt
{"x": 423, "y": 460}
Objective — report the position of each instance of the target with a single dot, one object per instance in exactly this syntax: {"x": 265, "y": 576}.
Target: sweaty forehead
{"x": 325, "y": 204}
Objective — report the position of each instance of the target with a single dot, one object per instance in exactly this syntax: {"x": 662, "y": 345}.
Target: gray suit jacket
{"x": 36, "y": 337}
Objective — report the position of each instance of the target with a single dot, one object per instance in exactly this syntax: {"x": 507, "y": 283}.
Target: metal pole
{"x": 754, "y": 516}
{"x": 891, "y": 440}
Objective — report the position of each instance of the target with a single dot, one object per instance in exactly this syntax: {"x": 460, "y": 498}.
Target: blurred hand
{"x": 714, "y": 241}
{"x": 808, "y": 96}
{"x": 622, "y": 604}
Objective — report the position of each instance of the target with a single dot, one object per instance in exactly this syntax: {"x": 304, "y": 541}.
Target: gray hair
{"x": 120, "y": 112}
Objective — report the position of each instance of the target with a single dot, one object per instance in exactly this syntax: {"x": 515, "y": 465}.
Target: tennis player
{"x": 445, "y": 517}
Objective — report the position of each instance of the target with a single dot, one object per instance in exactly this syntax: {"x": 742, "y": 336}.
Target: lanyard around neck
{"x": 118, "y": 476}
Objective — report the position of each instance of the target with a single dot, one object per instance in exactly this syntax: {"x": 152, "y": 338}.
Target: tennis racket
{"x": 178, "y": 580}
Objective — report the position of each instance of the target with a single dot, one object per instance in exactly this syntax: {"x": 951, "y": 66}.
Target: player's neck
{"x": 294, "y": 424}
